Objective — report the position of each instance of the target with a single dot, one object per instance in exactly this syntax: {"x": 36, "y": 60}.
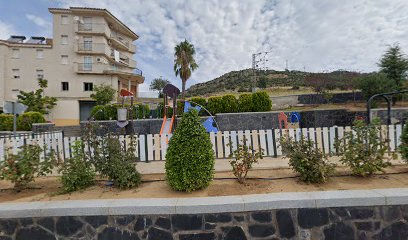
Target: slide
{"x": 166, "y": 125}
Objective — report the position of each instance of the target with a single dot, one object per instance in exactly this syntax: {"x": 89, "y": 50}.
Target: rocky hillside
{"x": 243, "y": 80}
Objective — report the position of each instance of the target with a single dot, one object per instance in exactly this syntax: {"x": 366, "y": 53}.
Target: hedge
{"x": 245, "y": 103}
{"x": 255, "y": 102}
{"x": 110, "y": 111}
{"x": 261, "y": 102}
{"x": 25, "y": 121}
{"x": 6, "y": 122}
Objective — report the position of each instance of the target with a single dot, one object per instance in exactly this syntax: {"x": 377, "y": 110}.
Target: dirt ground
{"x": 154, "y": 186}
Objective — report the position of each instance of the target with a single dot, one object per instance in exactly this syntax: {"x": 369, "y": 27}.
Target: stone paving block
{"x": 347, "y": 198}
{"x": 394, "y": 196}
{"x": 143, "y": 206}
{"x": 258, "y": 202}
{"x": 210, "y": 205}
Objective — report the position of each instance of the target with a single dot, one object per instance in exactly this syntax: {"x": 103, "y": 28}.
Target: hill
{"x": 243, "y": 80}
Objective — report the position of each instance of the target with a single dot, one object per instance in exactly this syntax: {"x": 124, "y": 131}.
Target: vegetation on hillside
{"x": 242, "y": 81}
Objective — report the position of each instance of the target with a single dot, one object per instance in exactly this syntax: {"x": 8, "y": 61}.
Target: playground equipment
{"x": 169, "y": 124}
{"x": 387, "y": 99}
{"x": 294, "y": 120}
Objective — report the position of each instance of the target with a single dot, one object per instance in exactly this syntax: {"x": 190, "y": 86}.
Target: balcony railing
{"x": 125, "y": 60}
{"x": 92, "y": 48}
{"x": 92, "y": 27}
{"x": 120, "y": 39}
{"x": 100, "y": 68}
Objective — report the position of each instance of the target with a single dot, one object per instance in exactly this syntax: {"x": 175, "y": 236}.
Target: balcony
{"x": 125, "y": 60}
{"x": 105, "y": 69}
{"x": 95, "y": 28}
{"x": 121, "y": 42}
{"x": 92, "y": 48}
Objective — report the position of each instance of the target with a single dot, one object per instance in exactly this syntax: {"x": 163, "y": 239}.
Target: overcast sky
{"x": 315, "y": 35}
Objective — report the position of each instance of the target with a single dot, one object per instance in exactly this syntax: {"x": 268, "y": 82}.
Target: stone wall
{"x": 375, "y": 222}
{"x": 69, "y": 131}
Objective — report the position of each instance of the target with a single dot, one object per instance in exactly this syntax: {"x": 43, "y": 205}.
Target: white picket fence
{"x": 153, "y": 147}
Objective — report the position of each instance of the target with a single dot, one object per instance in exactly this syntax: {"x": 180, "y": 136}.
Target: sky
{"x": 312, "y": 35}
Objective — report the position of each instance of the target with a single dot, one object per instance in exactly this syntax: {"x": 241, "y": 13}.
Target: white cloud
{"x": 39, "y": 21}
{"x": 6, "y": 30}
{"x": 315, "y": 35}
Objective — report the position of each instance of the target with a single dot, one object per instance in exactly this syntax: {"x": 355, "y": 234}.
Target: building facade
{"x": 89, "y": 47}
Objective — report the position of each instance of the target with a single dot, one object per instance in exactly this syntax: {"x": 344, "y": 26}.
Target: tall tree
{"x": 158, "y": 84}
{"x": 36, "y": 101}
{"x": 395, "y": 65}
{"x": 184, "y": 62}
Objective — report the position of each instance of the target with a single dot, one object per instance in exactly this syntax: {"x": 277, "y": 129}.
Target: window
{"x": 64, "y": 86}
{"x": 87, "y": 25}
{"x": 40, "y": 74}
{"x": 16, "y": 73}
{"x": 64, "y": 39}
{"x": 64, "y": 19}
{"x": 87, "y": 63}
{"x": 40, "y": 54}
{"x": 64, "y": 59}
{"x": 88, "y": 43}
{"x": 16, "y": 53}
{"x": 88, "y": 86}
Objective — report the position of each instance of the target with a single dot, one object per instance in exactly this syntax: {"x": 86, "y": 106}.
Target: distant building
{"x": 89, "y": 47}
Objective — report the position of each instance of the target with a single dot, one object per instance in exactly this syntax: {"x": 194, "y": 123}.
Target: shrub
{"x": 307, "y": 160}
{"x": 375, "y": 83}
{"x": 245, "y": 103}
{"x": 403, "y": 148}
{"x": 21, "y": 168}
{"x": 6, "y": 122}
{"x": 229, "y": 104}
{"x": 261, "y": 102}
{"x": 77, "y": 172}
{"x": 110, "y": 111}
{"x": 103, "y": 94}
{"x": 243, "y": 89}
{"x": 190, "y": 158}
{"x": 25, "y": 121}
{"x": 362, "y": 150}
{"x": 244, "y": 157}
{"x": 111, "y": 159}
{"x": 214, "y": 105}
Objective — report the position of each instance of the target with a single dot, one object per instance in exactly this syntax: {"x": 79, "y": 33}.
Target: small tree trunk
{"x": 183, "y": 88}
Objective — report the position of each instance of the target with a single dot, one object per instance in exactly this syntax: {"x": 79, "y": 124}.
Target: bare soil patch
{"x": 154, "y": 186}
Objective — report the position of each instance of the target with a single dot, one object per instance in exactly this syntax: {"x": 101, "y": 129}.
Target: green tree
{"x": 190, "y": 158}
{"x": 262, "y": 82}
{"x": 36, "y": 101}
{"x": 103, "y": 94}
{"x": 158, "y": 84}
{"x": 184, "y": 63}
{"x": 395, "y": 65}
{"x": 375, "y": 83}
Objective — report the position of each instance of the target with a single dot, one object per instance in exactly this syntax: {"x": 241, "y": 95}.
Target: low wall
{"x": 247, "y": 121}
{"x": 362, "y": 214}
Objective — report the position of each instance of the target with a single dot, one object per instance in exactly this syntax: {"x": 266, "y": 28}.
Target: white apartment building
{"x": 89, "y": 47}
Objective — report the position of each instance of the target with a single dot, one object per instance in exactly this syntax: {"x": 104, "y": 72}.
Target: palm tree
{"x": 184, "y": 62}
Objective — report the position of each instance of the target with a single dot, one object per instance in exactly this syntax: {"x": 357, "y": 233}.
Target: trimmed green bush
{"x": 25, "y": 121}
{"x": 77, "y": 172}
{"x": 229, "y": 104}
{"x": 202, "y": 102}
{"x": 214, "y": 105}
{"x": 261, "y": 102}
{"x": 190, "y": 158}
{"x": 245, "y": 103}
{"x": 6, "y": 122}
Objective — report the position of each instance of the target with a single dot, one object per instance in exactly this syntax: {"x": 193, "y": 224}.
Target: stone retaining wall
{"x": 350, "y": 214}
{"x": 379, "y": 222}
